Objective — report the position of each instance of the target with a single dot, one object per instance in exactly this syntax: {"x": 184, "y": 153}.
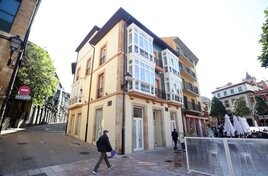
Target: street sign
{"x": 24, "y": 90}
{"x": 23, "y": 97}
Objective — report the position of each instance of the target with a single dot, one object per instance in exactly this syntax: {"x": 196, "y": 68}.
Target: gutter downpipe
{"x": 89, "y": 91}
{"x": 17, "y": 65}
{"x": 124, "y": 88}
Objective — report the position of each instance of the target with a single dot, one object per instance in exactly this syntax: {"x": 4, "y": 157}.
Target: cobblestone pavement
{"x": 46, "y": 151}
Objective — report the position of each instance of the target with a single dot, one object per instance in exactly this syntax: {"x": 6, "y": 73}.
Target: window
{"x": 103, "y": 53}
{"x": 156, "y": 60}
{"x": 239, "y": 89}
{"x": 100, "y": 85}
{"x": 232, "y": 91}
{"x": 141, "y": 41}
{"x": 226, "y": 103}
{"x": 218, "y": 95}
{"x": 144, "y": 76}
{"x": 8, "y": 11}
{"x": 88, "y": 66}
{"x": 224, "y": 93}
{"x": 78, "y": 74}
{"x": 171, "y": 62}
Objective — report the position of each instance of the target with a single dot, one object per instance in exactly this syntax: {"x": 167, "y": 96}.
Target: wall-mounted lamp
{"x": 128, "y": 78}
{"x": 15, "y": 43}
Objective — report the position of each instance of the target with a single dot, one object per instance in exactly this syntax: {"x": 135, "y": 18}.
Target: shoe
{"x": 110, "y": 167}
{"x": 95, "y": 172}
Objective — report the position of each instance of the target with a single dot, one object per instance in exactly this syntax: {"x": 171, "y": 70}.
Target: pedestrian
{"x": 103, "y": 146}
{"x": 174, "y": 135}
{"x": 210, "y": 131}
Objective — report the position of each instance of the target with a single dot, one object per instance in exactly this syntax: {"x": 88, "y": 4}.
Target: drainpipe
{"x": 89, "y": 91}
{"x": 124, "y": 88}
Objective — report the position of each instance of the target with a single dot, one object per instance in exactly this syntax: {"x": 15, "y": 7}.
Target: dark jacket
{"x": 103, "y": 144}
{"x": 174, "y": 135}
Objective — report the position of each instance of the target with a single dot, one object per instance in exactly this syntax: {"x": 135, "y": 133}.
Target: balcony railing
{"x": 76, "y": 99}
{"x": 100, "y": 92}
{"x": 190, "y": 87}
{"x": 187, "y": 70}
{"x": 192, "y": 106}
{"x": 160, "y": 93}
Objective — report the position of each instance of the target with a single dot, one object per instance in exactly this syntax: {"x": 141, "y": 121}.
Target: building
{"x": 126, "y": 80}
{"x": 243, "y": 90}
{"x": 193, "y": 118}
{"x": 16, "y": 17}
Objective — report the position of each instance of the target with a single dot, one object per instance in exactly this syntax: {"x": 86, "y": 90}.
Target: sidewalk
{"x": 158, "y": 162}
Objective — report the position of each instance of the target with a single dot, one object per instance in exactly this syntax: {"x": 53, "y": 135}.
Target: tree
{"x": 217, "y": 109}
{"x": 240, "y": 108}
{"x": 263, "y": 58}
{"x": 261, "y": 107}
{"x": 38, "y": 72}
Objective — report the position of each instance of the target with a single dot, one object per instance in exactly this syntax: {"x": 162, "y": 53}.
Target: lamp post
{"x": 15, "y": 43}
{"x": 127, "y": 78}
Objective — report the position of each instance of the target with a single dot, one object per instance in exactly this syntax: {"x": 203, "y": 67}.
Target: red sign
{"x": 24, "y": 90}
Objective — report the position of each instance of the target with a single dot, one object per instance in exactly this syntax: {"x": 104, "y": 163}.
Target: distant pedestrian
{"x": 103, "y": 145}
{"x": 210, "y": 131}
{"x": 175, "y": 136}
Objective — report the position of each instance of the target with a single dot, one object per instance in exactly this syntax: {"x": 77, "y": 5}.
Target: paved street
{"x": 46, "y": 150}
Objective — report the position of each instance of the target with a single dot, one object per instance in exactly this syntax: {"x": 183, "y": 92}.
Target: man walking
{"x": 103, "y": 145}
{"x": 174, "y": 135}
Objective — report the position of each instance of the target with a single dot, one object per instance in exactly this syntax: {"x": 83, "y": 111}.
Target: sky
{"x": 223, "y": 34}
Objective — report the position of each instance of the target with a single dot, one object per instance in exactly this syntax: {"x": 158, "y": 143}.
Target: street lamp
{"x": 127, "y": 78}
{"x": 15, "y": 43}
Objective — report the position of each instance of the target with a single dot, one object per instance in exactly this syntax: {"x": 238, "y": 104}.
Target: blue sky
{"x": 223, "y": 34}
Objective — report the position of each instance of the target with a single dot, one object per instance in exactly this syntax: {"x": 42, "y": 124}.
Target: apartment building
{"x": 193, "y": 117}
{"x": 126, "y": 80}
{"x": 16, "y": 17}
{"x": 244, "y": 90}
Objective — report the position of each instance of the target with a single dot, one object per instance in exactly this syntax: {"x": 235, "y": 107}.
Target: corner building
{"x": 126, "y": 80}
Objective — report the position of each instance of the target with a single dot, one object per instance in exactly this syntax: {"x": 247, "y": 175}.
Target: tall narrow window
{"x": 8, "y": 11}
{"x": 88, "y": 66}
{"x": 103, "y": 53}
{"x": 100, "y": 85}
{"x": 78, "y": 74}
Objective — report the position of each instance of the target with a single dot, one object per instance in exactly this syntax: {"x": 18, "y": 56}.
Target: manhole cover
{"x": 75, "y": 143}
{"x": 125, "y": 157}
{"x": 168, "y": 161}
{"x": 84, "y": 153}
{"x": 22, "y": 143}
{"x": 42, "y": 174}
{"x": 26, "y": 158}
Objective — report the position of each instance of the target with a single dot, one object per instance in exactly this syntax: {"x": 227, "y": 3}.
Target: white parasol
{"x": 245, "y": 125}
{"x": 237, "y": 125}
{"x": 228, "y": 127}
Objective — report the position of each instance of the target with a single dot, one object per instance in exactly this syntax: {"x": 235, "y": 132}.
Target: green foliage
{"x": 38, "y": 72}
{"x": 263, "y": 58}
{"x": 217, "y": 108}
{"x": 261, "y": 107}
{"x": 240, "y": 108}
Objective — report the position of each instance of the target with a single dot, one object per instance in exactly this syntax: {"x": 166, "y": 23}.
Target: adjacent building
{"x": 127, "y": 80}
{"x": 193, "y": 117}
{"x": 243, "y": 90}
{"x": 16, "y": 17}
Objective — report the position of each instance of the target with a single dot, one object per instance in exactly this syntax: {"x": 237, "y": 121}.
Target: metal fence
{"x": 227, "y": 156}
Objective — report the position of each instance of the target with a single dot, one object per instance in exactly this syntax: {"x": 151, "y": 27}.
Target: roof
{"x": 186, "y": 50}
{"x": 232, "y": 85}
{"x": 121, "y": 14}
{"x": 89, "y": 35}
